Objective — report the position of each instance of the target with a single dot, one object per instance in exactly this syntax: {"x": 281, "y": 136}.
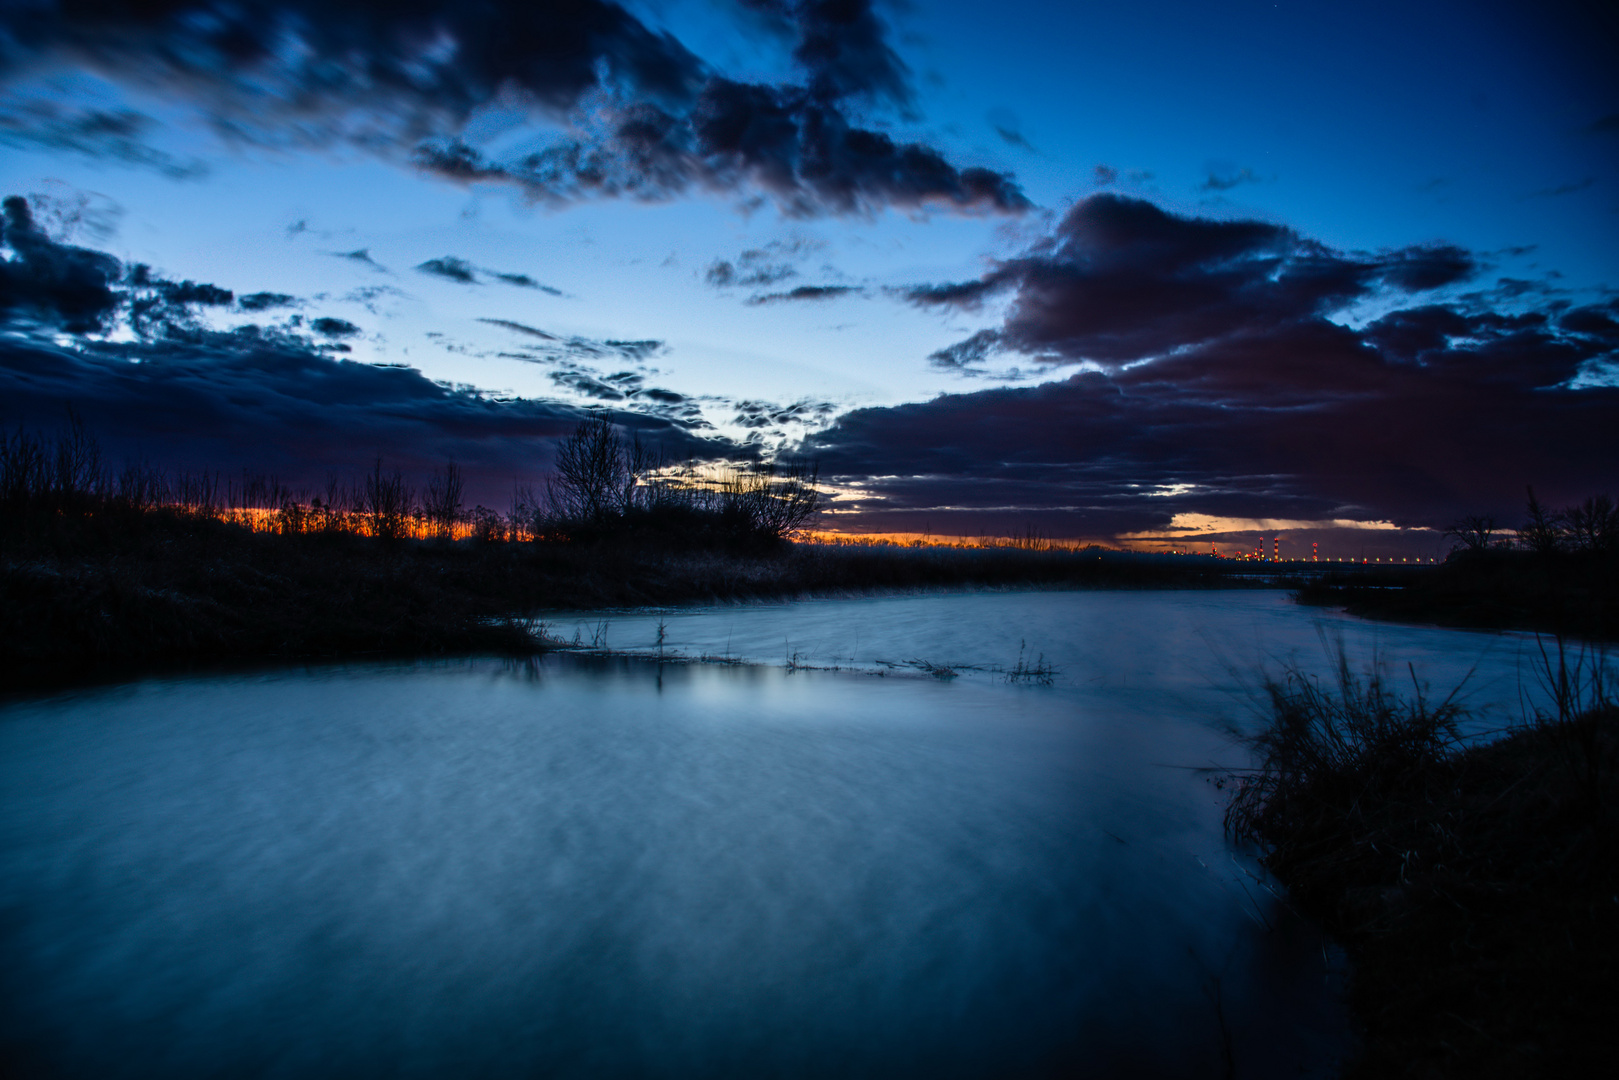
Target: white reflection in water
{"x": 595, "y": 866}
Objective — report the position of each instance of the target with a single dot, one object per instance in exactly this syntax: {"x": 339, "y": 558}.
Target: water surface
{"x": 593, "y": 866}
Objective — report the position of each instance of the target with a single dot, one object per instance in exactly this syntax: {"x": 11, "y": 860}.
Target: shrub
{"x": 1328, "y": 751}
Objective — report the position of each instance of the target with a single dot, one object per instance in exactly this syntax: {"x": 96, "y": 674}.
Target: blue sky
{"x": 771, "y": 310}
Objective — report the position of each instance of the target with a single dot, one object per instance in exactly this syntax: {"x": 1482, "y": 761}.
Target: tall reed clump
{"x": 1580, "y": 716}
{"x": 1333, "y": 755}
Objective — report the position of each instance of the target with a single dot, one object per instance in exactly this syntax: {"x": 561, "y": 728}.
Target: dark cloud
{"x": 751, "y": 268}
{"x": 767, "y": 265}
{"x": 588, "y": 385}
{"x": 113, "y": 134}
{"x": 450, "y": 269}
{"x": 523, "y": 281}
{"x": 186, "y": 292}
{"x": 1605, "y": 125}
{"x": 1223, "y": 177}
{"x": 1005, "y": 124}
{"x": 1012, "y": 137}
{"x": 463, "y": 272}
{"x": 185, "y": 396}
{"x": 337, "y": 328}
{"x": 361, "y": 255}
{"x": 264, "y": 301}
{"x": 1563, "y": 189}
{"x": 556, "y": 347}
{"x": 270, "y": 401}
{"x": 400, "y": 77}
{"x": 1599, "y": 322}
{"x": 1311, "y": 424}
{"x": 807, "y": 292}
{"x": 1105, "y": 175}
{"x": 1122, "y": 280}
{"x": 768, "y": 414}
{"x": 967, "y": 295}
{"x": 158, "y": 308}
{"x": 967, "y": 357}
{"x": 55, "y": 284}
{"x": 522, "y": 328}
{"x": 627, "y": 390}
{"x": 1216, "y": 384}
{"x": 842, "y": 46}
{"x": 798, "y": 149}
{"x": 62, "y": 212}
{"x": 298, "y": 70}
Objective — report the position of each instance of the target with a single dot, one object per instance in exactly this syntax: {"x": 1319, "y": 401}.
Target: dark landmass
{"x": 1575, "y": 593}
{"x": 1474, "y": 887}
{"x": 114, "y": 592}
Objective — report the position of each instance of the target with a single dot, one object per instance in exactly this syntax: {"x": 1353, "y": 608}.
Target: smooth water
{"x": 601, "y": 866}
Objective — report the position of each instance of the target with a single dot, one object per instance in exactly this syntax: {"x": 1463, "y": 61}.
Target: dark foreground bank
{"x": 1475, "y": 887}
{"x": 105, "y": 594}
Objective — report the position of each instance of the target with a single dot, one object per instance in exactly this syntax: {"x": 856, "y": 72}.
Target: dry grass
{"x": 1474, "y": 885}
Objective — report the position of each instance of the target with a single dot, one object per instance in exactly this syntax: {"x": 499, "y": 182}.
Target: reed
{"x": 1472, "y": 882}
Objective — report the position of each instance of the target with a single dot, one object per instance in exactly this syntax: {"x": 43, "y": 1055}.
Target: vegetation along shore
{"x": 1557, "y": 573}
{"x": 104, "y": 574}
{"x": 1473, "y": 882}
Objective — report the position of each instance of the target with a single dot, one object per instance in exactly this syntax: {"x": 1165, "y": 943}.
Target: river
{"x": 804, "y": 857}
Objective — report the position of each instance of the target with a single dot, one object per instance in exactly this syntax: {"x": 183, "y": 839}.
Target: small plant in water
{"x": 1038, "y": 672}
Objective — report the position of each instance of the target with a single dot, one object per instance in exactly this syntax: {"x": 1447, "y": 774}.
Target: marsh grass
{"x": 105, "y": 574}
{"x": 1037, "y": 671}
{"x": 1332, "y": 748}
{"x": 1472, "y": 881}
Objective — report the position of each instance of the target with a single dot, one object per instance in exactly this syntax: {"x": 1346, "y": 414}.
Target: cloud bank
{"x": 128, "y": 351}
{"x": 1214, "y": 371}
{"x": 646, "y": 117}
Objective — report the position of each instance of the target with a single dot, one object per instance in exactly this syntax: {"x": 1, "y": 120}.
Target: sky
{"x": 1151, "y": 274}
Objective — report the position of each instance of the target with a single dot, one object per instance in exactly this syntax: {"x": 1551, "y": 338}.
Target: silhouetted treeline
{"x": 1558, "y": 572}
{"x": 604, "y": 488}
{"x": 1591, "y": 526}
{"x": 105, "y": 573}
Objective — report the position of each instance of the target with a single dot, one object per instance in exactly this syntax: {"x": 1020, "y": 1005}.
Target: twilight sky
{"x": 1133, "y": 273}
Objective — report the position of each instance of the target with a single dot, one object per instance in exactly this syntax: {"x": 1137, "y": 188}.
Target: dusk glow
{"x": 1150, "y": 275}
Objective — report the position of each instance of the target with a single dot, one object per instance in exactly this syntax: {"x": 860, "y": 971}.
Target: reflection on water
{"x": 601, "y": 866}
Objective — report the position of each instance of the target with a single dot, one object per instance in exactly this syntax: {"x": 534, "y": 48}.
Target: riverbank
{"x": 1557, "y": 592}
{"x": 1473, "y": 886}
{"x": 113, "y": 594}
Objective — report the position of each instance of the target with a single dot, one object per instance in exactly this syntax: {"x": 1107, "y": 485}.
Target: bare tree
{"x": 590, "y": 476}
{"x": 386, "y": 501}
{"x": 78, "y": 461}
{"x": 1473, "y": 532}
{"x": 1542, "y": 530}
{"x": 442, "y": 503}
{"x": 1592, "y": 525}
{"x": 773, "y": 500}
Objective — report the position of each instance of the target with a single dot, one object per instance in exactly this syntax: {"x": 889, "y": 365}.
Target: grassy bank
{"x": 1475, "y": 885}
{"x": 1574, "y": 593}
{"x": 105, "y": 589}
{"x": 104, "y": 574}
